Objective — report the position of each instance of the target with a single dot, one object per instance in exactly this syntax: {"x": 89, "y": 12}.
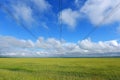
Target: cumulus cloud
{"x": 8, "y": 41}
{"x": 52, "y": 47}
{"x": 97, "y": 10}
{"x": 100, "y": 47}
{"x": 10, "y": 46}
{"x": 69, "y": 17}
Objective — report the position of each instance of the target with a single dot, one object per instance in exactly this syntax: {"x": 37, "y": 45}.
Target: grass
{"x": 59, "y": 68}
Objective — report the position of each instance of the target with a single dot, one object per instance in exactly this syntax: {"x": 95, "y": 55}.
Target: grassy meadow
{"x": 59, "y": 68}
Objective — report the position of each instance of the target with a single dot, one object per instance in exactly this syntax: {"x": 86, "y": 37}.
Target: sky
{"x": 59, "y": 28}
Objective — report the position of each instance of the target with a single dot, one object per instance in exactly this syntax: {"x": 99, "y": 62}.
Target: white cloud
{"x": 100, "y": 47}
{"x": 42, "y": 5}
{"x": 52, "y": 47}
{"x": 23, "y": 13}
{"x": 97, "y": 10}
{"x": 69, "y": 17}
{"x": 8, "y": 41}
{"x": 29, "y": 12}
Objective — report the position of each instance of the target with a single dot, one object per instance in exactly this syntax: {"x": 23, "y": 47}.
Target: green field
{"x": 59, "y": 68}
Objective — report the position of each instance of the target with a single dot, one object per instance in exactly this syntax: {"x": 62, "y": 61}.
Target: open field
{"x": 59, "y": 68}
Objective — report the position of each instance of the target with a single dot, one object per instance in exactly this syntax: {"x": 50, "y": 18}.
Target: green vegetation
{"x": 59, "y": 68}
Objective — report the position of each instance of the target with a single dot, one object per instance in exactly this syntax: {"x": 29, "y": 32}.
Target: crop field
{"x": 59, "y": 68}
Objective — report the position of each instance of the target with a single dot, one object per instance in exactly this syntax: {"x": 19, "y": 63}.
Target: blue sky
{"x": 49, "y": 19}
{"x": 78, "y": 18}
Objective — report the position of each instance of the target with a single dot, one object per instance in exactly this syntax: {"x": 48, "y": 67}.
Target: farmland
{"x": 59, "y": 68}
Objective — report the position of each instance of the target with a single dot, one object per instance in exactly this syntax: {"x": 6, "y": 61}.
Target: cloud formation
{"x": 37, "y": 11}
{"x": 22, "y": 12}
{"x": 52, "y": 47}
{"x": 69, "y": 17}
{"x": 94, "y": 10}
{"x": 42, "y": 5}
{"x": 28, "y": 12}
{"x": 97, "y": 11}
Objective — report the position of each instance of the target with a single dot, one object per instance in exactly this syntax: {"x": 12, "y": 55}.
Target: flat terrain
{"x": 59, "y": 68}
